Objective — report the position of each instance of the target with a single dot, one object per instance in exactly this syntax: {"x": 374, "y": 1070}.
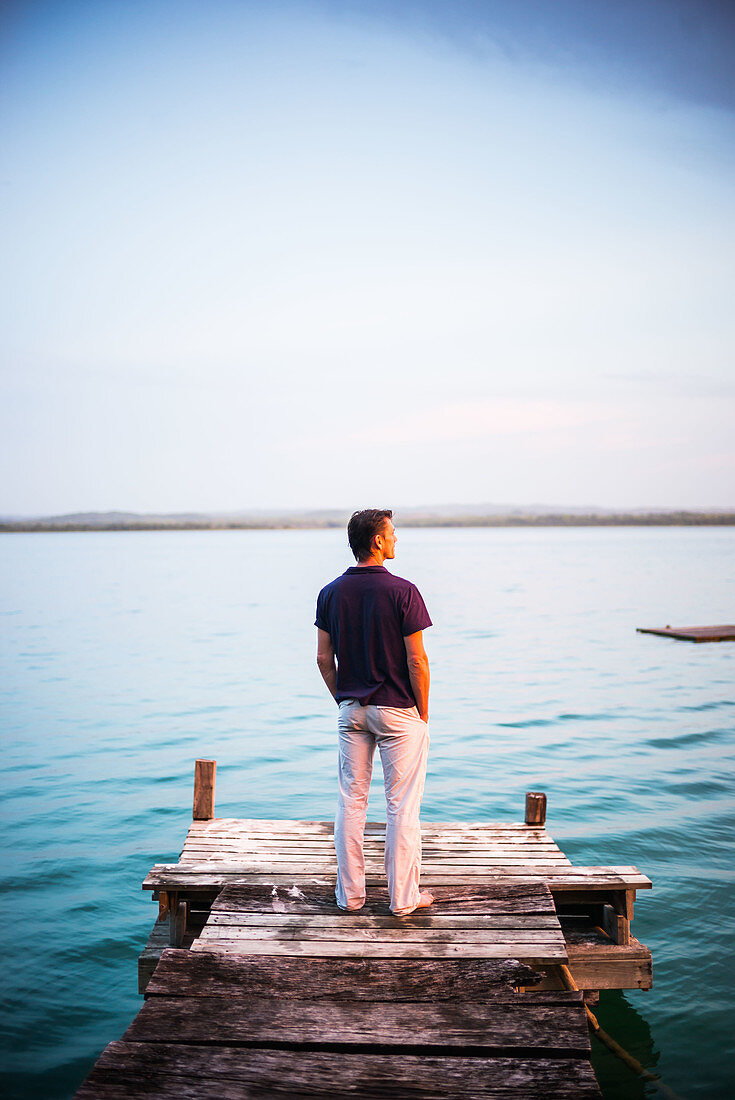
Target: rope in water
{"x": 608, "y": 1041}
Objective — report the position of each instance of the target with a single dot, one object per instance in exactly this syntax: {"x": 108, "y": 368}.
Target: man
{"x": 371, "y": 654}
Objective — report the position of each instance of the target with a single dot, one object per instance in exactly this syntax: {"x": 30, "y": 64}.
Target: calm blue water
{"x": 127, "y": 655}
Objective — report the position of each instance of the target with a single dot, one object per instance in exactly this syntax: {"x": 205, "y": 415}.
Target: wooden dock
{"x": 693, "y": 633}
{"x": 270, "y": 990}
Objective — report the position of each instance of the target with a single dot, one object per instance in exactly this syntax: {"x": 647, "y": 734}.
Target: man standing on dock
{"x": 371, "y": 654}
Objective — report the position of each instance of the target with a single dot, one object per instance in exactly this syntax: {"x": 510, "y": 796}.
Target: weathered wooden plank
{"x": 627, "y": 876}
{"x": 302, "y": 863}
{"x": 407, "y": 931}
{"x": 522, "y": 835}
{"x": 327, "y": 857}
{"x": 313, "y": 859}
{"x": 540, "y": 869}
{"x": 326, "y": 828}
{"x": 484, "y": 899}
{"x": 531, "y": 953}
{"x": 528, "y": 837}
{"x": 596, "y": 963}
{"x": 518, "y": 852}
{"x": 199, "y": 877}
{"x": 133, "y": 1071}
{"x": 228, "y": 846}
{"x": 420, "y": 920}
{"x": 516, "y": 1027}
{"x": 327, "y": 844}
{"x": 273, "y": 825}
{"x": 203, "y": 884}
{"x": 625, "y": 969}
{"x": 326, "y": 860}
{"x": 617, "y": 878}
{"x": 185, "y": 973}
{"x": 438, "y": 848}
{"x": 299, "y": 865}
{"x": 506, "y": 939}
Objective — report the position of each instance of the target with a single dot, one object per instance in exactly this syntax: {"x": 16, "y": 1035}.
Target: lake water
{"x": 127, "y": 655}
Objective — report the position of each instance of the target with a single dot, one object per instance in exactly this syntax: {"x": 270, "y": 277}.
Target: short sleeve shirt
{"x": 367, "y": 613}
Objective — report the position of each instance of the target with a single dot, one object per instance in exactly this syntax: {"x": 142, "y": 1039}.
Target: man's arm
{"x": 325, "y": 660}
{"x": 418, "y": 672}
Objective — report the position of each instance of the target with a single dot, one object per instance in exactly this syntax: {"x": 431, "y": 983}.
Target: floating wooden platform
{"x": 270, "y": 990}
{"x": 693, "y": 633}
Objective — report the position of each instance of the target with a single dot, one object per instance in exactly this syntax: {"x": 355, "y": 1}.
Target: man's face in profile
{"x": 388, "y": 535}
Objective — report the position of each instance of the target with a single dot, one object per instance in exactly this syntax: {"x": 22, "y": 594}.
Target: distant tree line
{"x": 592, "y": 519}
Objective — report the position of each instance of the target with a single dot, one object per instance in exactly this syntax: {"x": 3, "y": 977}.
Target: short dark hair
{"x": 362, "y": 529}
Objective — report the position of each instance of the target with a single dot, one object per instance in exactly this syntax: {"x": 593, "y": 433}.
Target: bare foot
{"x": 425, "y": 900}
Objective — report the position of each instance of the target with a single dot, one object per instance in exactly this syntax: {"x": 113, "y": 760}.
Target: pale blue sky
{"x": 337, "y": 254}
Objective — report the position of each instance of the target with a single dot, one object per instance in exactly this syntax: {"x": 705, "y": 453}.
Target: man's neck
{"x": 374, "y": 559}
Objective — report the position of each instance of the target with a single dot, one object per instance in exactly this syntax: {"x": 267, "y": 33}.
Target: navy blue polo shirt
{"x": 367, "y": 613}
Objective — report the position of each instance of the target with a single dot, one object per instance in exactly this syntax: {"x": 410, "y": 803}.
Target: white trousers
{"x": 403, "y": 741}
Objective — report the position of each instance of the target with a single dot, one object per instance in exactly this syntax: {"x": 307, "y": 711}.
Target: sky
{"x": 333, "y": 253}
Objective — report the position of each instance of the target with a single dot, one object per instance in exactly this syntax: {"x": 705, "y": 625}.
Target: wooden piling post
{"x": 204, "y": 777}
{"x": 535, "y": 808}
{"x": 177, "y": 923}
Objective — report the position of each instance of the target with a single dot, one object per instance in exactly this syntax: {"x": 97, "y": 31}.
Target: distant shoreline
{"x": 616, "y": 519}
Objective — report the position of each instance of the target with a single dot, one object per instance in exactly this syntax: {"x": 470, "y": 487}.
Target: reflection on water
{"x": 631, "y": 1029}
{"x": 126, "y": 655}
